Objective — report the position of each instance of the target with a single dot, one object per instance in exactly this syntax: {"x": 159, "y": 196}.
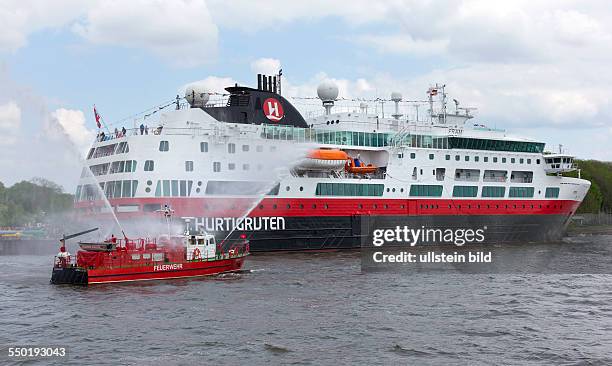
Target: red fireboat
{"x": 124, "y": 260}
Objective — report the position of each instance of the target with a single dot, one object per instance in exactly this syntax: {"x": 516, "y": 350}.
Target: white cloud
{"x": 10, "y": 116}
{"x": 10, "y": 122}
{"x": 266, "y": 66}
{"x": 404, "y": 43}
{"x": 181, "y": 32}
{"x": 212, "y": 84}
{"x": 20, "y": 18}
{"x": 72, "y": 123}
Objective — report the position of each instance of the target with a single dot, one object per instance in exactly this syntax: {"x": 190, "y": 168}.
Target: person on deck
{"x": 116, "y": 132}
{"x": 123, "y": 131}
{"x": 142, "y": 128}
{"x": 358, "y": 161}
{"x": 146, "y": 129}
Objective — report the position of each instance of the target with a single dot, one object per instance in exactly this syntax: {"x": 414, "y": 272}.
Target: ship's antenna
{"x": 280, "y": 73}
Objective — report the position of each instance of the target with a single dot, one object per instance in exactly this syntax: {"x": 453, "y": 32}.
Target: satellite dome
{"x": 327, "y": 91}
{"x": 196, "y": 95}
{"x": 396, "y": 97}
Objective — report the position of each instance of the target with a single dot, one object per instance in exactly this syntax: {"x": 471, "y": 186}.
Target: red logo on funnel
{"x": 273, "y": 110}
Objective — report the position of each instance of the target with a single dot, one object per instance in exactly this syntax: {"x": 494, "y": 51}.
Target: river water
{"x": 313, "y": 309}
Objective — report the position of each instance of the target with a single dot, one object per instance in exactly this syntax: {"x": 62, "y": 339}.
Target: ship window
{"x": 135, "y": 257}
{"x": 486, "y": 159}
{"x": 259, "y": 148}
{"x": 457, "y": 158}
{"x": 231, "y": 166}
{"x": 512, "y": 160}
{"x": 552, "y": 192}
{"x": 245, "y": 166}
{"x": 521, "y": 161}
{"x": 166, "y": 186}
{"x": 157, "y": 190}
{"x": 537, "y": 161}
{"x": 127, "y": 188}
{"x": 447, "y": 157}
{"x": 231, "y": 148}
{"x": 164, "y": 146}
{"x": 476, "y": 158}
{"x": 425, "y": 190}
{"x": 203, "y": 146}
{"x": 183, "y": 188}
{"x": 521, "y": 192}
{"x": 216, "y": 167}
{"x": 495, "y": 159}
{"x": 245, "y": 147}
{"x": 431, "y": 156}
{"x": 493, "y": 191}
{"x": 189, "y": 166}
{"x": 503, "y": 160}
{"x": 158, "y": 257}
{"x": 412, "y": 155}
{"x": 90, "y": 154}
{"x": 175, "y": 189}
{"x": 465, "y": 191}
{"x": 149, "y": 166}
{"x": 528, "y": 161}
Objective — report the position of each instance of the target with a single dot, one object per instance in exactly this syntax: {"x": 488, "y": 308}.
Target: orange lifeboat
{"x": 324, "y": 159}
{"x": 362, "y": 169}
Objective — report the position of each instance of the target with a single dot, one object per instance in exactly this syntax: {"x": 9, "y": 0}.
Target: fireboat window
{"x": 231, "y": 148}
{"x": 203, "y": 146}
{"x": 189, "y": 166}
{"x": 216, "y": 167}
{"x": 245, "y": 148}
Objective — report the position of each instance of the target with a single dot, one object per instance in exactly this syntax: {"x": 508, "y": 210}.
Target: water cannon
{"x": 328, "y": 93}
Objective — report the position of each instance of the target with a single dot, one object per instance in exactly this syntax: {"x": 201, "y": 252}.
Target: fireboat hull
{"x": 162, "y": 271}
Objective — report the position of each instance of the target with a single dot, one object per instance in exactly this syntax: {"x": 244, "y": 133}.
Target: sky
{"x": 539, "y": 69}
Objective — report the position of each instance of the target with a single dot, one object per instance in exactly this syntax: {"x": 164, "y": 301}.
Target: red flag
{"x": 97, "y": 117}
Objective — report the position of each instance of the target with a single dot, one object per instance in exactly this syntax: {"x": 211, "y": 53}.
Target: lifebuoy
{"x": 196, "y": 254}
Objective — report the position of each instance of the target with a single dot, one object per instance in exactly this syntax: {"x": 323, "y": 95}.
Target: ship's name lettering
{"x": 168, "y": 267}
{"x": 235, "y": 223}
{"x": 455, "y": 131}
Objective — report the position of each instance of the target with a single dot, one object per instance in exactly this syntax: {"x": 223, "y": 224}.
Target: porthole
{"x": 301, "y": 189}
{"x": 261, "y": 207}
{"x": 274, "y": 206}
{"x": 375, "y": 205}
{"x": 360, "y": 206}
{"x": 337, "y": 121}
{"x": 199, "y": 183}
{"x": 325, "y": 206}
{"x": 327, "y": 122}
{"x": 314, "y": 205}
{"x": 287, "y": 188}
{"x": 149, "y": 182}
{"x": 393, "y": 190}
{"x": 386, "y": 206}
{"x": 402, "y": 190}
{"x": 148, "y": 190}
{"x": 288, "y": 206}
{"x": 197, "y": 190}
{"x": 388, "y": 189}
{"x": 301, "y": 206}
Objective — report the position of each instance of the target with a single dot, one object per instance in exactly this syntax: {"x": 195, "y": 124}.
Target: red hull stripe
{"x": 309, "y": 207}
{"x": 147, "y": 273}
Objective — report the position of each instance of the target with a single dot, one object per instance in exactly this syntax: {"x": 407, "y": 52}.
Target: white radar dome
{"x": 396, "y": 97}
{"x": 196, "y": 95}
{"x": 327, "y": 91}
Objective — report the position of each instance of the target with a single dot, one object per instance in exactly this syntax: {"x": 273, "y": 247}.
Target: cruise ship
{"x": 247, "y": 162}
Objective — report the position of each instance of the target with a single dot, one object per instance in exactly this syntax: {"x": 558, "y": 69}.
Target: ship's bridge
{"x": 559, "y": 163}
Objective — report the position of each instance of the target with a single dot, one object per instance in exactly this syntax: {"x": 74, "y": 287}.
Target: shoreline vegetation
{"x": 28, "y": 203}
